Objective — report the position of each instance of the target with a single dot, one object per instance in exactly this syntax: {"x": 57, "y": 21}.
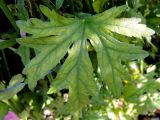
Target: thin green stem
{"x": 88, "y": 2}
{"x": 141, "y": 66}
{"x": 6, "y": 64}
{"x": 72, "y": 6}
{"x": 14, "y": 105}
{"x": 6, "y": 11}
{"x": 50, "y": 77}
{"x": 39, "y": 11}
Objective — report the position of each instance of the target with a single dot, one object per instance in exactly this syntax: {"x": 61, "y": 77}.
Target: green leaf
{"x": 3, "y": 109}
{"x": 24, "y": 53}
{"x": 154, "y": 23}
{"x": 98, "y": 5}
{"x": 47, "y": 3}
{"x": 15, "y": 85}
{"x": 59, "y": 4}
{"x": 109, "y": 14}
{"x": 77, "y": 75}
{"x": 134, "y": 4}
{"x": 6, "y": 43}
{"x": 62, "y": 36}
{"x": 110, "y": 54}
{"x": 129, "y": 27}
{"x": 132, "y": 92}
{"x": 23, "y": 14}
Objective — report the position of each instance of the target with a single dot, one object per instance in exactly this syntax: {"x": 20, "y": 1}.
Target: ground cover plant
{"x": 86, "y": 59}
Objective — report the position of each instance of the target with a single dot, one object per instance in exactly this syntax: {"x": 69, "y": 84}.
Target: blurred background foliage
{"x": 37, "y": 104}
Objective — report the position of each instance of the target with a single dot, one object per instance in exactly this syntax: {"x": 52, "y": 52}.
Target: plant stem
{"x": 6, "y": 11}
{"x": 72, "y": 6}
{"x": 50, "y": 77}
{"x": 88, "y": 2}
{"x": 141, "y": 66}
{"x": 39, "y": 11}
{"x": 6, "y": 64}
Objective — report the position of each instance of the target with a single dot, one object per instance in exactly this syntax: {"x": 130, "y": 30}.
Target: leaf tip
{"x": 44, "y": 9}
{"x": 51, "y": 90}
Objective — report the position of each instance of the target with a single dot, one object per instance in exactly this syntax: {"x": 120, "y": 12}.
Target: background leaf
{"x": 3, "y": 109}
{"x": 59, "y": 4}
{"x": 23, "y": 13}
{"x": 6, "y": 43}
{"x": 14, "y": 87}
{"x": 98, "y": 5}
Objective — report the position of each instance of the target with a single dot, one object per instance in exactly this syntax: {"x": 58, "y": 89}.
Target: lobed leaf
{"x": 61, "y": 35}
